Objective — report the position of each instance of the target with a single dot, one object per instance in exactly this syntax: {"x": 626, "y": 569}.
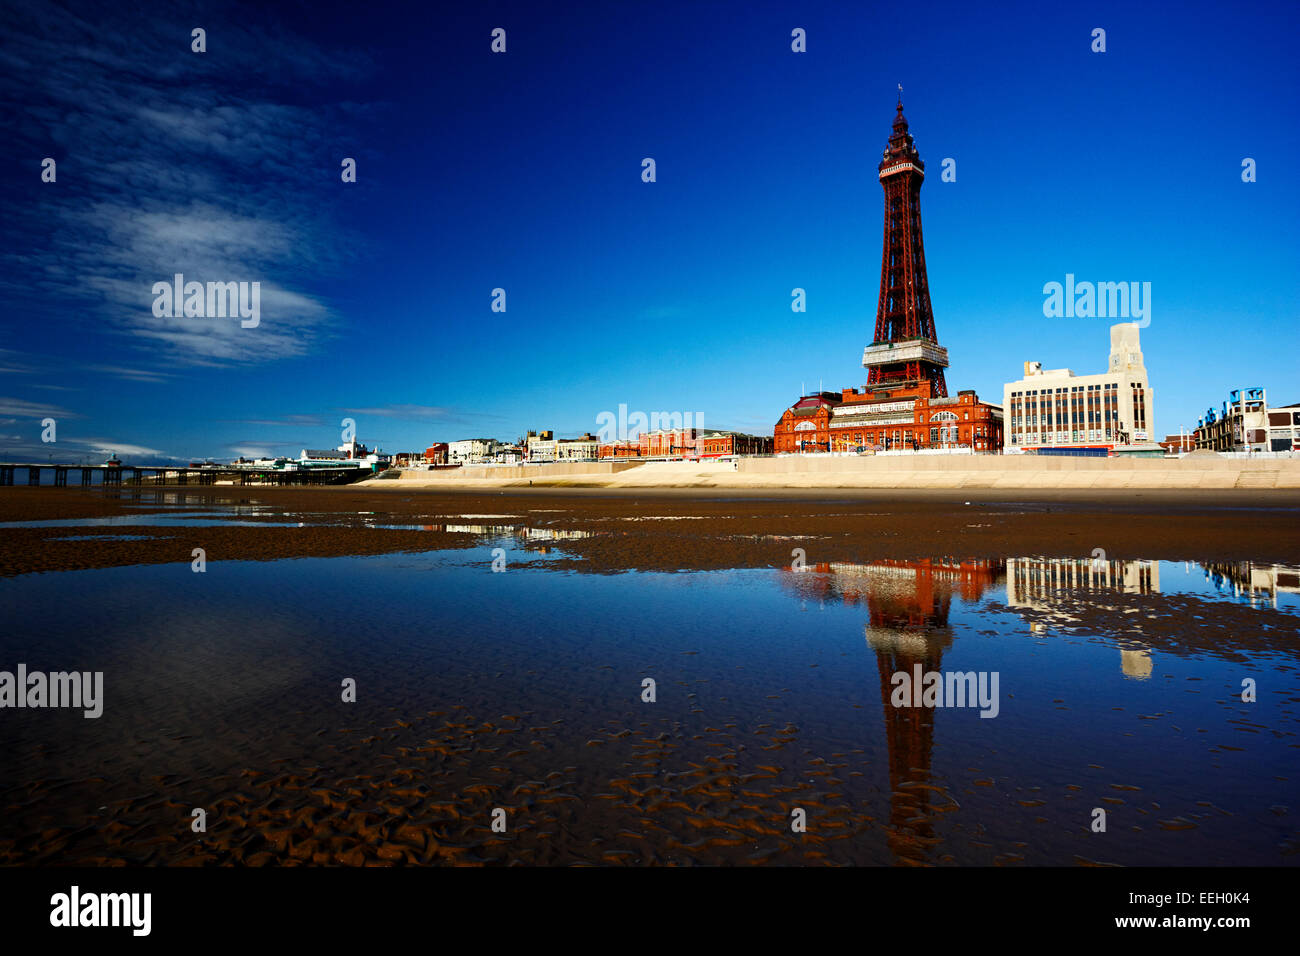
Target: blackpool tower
{"x": 904, "y": 352}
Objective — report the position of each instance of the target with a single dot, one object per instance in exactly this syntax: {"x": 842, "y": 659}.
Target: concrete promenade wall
{"x": 1032, "y": 471}
{"x": 922, "y": 471}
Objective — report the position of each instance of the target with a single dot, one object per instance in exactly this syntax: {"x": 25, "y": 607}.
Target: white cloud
{"x": 172, "y": 162}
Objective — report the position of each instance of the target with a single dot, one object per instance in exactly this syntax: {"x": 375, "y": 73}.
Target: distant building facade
{"x": 542, "y": 447}
{"x": 345, "y": 452}
{"x": 690, "y": 443}
{"x": 1242, "y": 424}
{"x": 1055, "y": 409}
{"x": 471, "y": 451}
{"x": 583, "y": 448}
{"x": 620, "y": 449}
{"x": 668, "y": 443}
{"x": 1284, "y": 428}
{"x": 436, "y": 454}
{"x": 717, "y": 444}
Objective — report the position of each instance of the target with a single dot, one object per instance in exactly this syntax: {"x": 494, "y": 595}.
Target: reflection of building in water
{"x": 1057, "y": 587}
{"x": 525, "y": 534}
{"x": 1039, "y": 582}
{"x": 1254, "y": 582}
{"x": 907, "y": 603}
{"x": 1135, "y": 663}
{"x": 553, "y": 534}
{"x": 914, "y": 585}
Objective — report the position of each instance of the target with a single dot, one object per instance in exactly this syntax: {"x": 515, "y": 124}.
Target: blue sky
{"x": 522, "y": 171}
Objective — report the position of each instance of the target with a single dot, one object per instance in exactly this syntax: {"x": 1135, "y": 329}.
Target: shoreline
{"x": 659, "y": 529}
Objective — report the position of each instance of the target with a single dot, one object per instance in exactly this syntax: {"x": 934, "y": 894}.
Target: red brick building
{"x": 718, "y": 444}
{"x": 619, "y": 449}
{"x": 687, "y": 443}
{"x": 668, "y": 443}
{"x": 888, "y": 419}
{"x": 436, "y": 454}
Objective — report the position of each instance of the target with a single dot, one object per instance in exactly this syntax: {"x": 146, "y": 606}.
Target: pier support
{"x": 60, "y": 477}
{"x": 33, "y": 475}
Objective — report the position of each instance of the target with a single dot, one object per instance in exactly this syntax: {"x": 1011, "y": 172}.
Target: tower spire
{"x": 905, "y": 351}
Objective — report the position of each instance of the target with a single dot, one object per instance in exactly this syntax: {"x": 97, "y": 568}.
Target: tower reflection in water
{"x": 907, "y": 624}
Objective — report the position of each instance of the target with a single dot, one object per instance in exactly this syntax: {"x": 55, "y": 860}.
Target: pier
{"x": 112, "y": 476}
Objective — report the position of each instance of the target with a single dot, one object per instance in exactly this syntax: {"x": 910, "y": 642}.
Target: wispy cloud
{"x": 13, "y": 362}
{"x": 123, "y": 450}
{"x": 259, "y": 449}
{"x": 423, "y": 413}
{"x": 132, "y": 374}
{"x": 296, "y": 421}
{"x": 13, "y": 409}
{"x": 171, "y": 162}
{"x": 18, "y": 448}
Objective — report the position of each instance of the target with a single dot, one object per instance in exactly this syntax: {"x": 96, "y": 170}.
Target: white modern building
{"x": 542, "y": 447}
{"x": 1057, "y": 411}
{"x": 546, "y": 447}
{"x": 471, "y": 451}
{"x": 578, "y": 449}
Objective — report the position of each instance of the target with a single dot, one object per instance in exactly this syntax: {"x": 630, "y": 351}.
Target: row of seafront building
{"x": 1047, "y": 412}
{"x": 544, "y": 447}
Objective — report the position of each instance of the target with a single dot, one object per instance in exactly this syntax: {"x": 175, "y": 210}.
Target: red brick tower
{"x": 905, "y": 352}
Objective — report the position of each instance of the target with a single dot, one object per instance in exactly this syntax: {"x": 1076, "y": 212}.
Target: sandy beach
{"x": 651, "y": 529}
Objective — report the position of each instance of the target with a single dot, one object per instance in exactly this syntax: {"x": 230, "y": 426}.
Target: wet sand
{"x": 659, "y": 530}
{"x": 598, "y": 779}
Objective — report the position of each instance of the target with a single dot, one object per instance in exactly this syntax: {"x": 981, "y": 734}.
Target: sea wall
{"x": 921, "y": 471}
{"x": 1031, "y": 471}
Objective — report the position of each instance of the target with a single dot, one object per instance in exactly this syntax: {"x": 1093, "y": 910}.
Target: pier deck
{"x": 113, "y": 475}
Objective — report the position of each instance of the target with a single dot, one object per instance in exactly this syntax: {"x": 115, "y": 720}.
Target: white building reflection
{"x": 1256, "y": 583}
{"x": 1057, "y": 589}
